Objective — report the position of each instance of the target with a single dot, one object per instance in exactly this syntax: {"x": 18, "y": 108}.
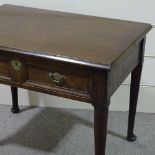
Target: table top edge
{"x": 60, "y": 58}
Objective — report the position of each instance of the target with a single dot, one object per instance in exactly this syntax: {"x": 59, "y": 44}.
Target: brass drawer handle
{"x": 17, "y": 65}
{"x": 57, "y": 78}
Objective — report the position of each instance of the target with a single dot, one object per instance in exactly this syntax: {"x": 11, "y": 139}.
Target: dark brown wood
{"x": 73, "y": 80}
{"x": 77, "y": 85}
{"x": 134, "y": 91}
{"x": 15, "y": 107}
{"x": 101, "y": 104}
{"x": 122, "y": 68}
{"x": 67, "y": 36}
{"x": 100, "y": 129}
{"x": 4, "y": 67}
{"x": 20, "y": 75}
{"x": 73, "y": 56}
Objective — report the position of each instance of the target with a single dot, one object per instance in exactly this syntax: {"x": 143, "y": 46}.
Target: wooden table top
{"x": 94, "y": 40}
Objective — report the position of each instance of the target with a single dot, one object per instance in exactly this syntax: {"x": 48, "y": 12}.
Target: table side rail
{"x": 123, "y": 67}
{"x": 46, "y": 76}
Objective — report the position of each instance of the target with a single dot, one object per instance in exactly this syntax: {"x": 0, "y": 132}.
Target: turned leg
{"x": 100, "y": 129}
{"x": 134, "y": 91}
{"x": 15, "y": 108}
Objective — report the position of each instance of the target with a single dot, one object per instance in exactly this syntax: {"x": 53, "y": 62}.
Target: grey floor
{"x": 50, "y": 131}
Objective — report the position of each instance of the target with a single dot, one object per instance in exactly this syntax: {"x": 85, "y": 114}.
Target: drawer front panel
{"x": 4, "y": 67}
{"x": 43, "y": 75}
{"x": 18, "y": 70}
{"x": 59, "y": 78}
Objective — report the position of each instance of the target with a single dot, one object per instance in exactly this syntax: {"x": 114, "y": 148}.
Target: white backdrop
{"x": 136, "y": 10}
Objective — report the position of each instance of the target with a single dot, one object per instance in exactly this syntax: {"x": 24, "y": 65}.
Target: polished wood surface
{"x": 15, "y": 107}
{"x": 73, "y": 56}
{"x": 134, "y": 90}
{"x": 94, "y": 40}
{"x": 72, "y": 80}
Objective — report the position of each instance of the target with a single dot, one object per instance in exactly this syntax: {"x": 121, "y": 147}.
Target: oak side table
{"x": 80, "y": 57}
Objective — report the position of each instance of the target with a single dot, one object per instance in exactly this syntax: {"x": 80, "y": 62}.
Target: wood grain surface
{"x": 59, "y": 35}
